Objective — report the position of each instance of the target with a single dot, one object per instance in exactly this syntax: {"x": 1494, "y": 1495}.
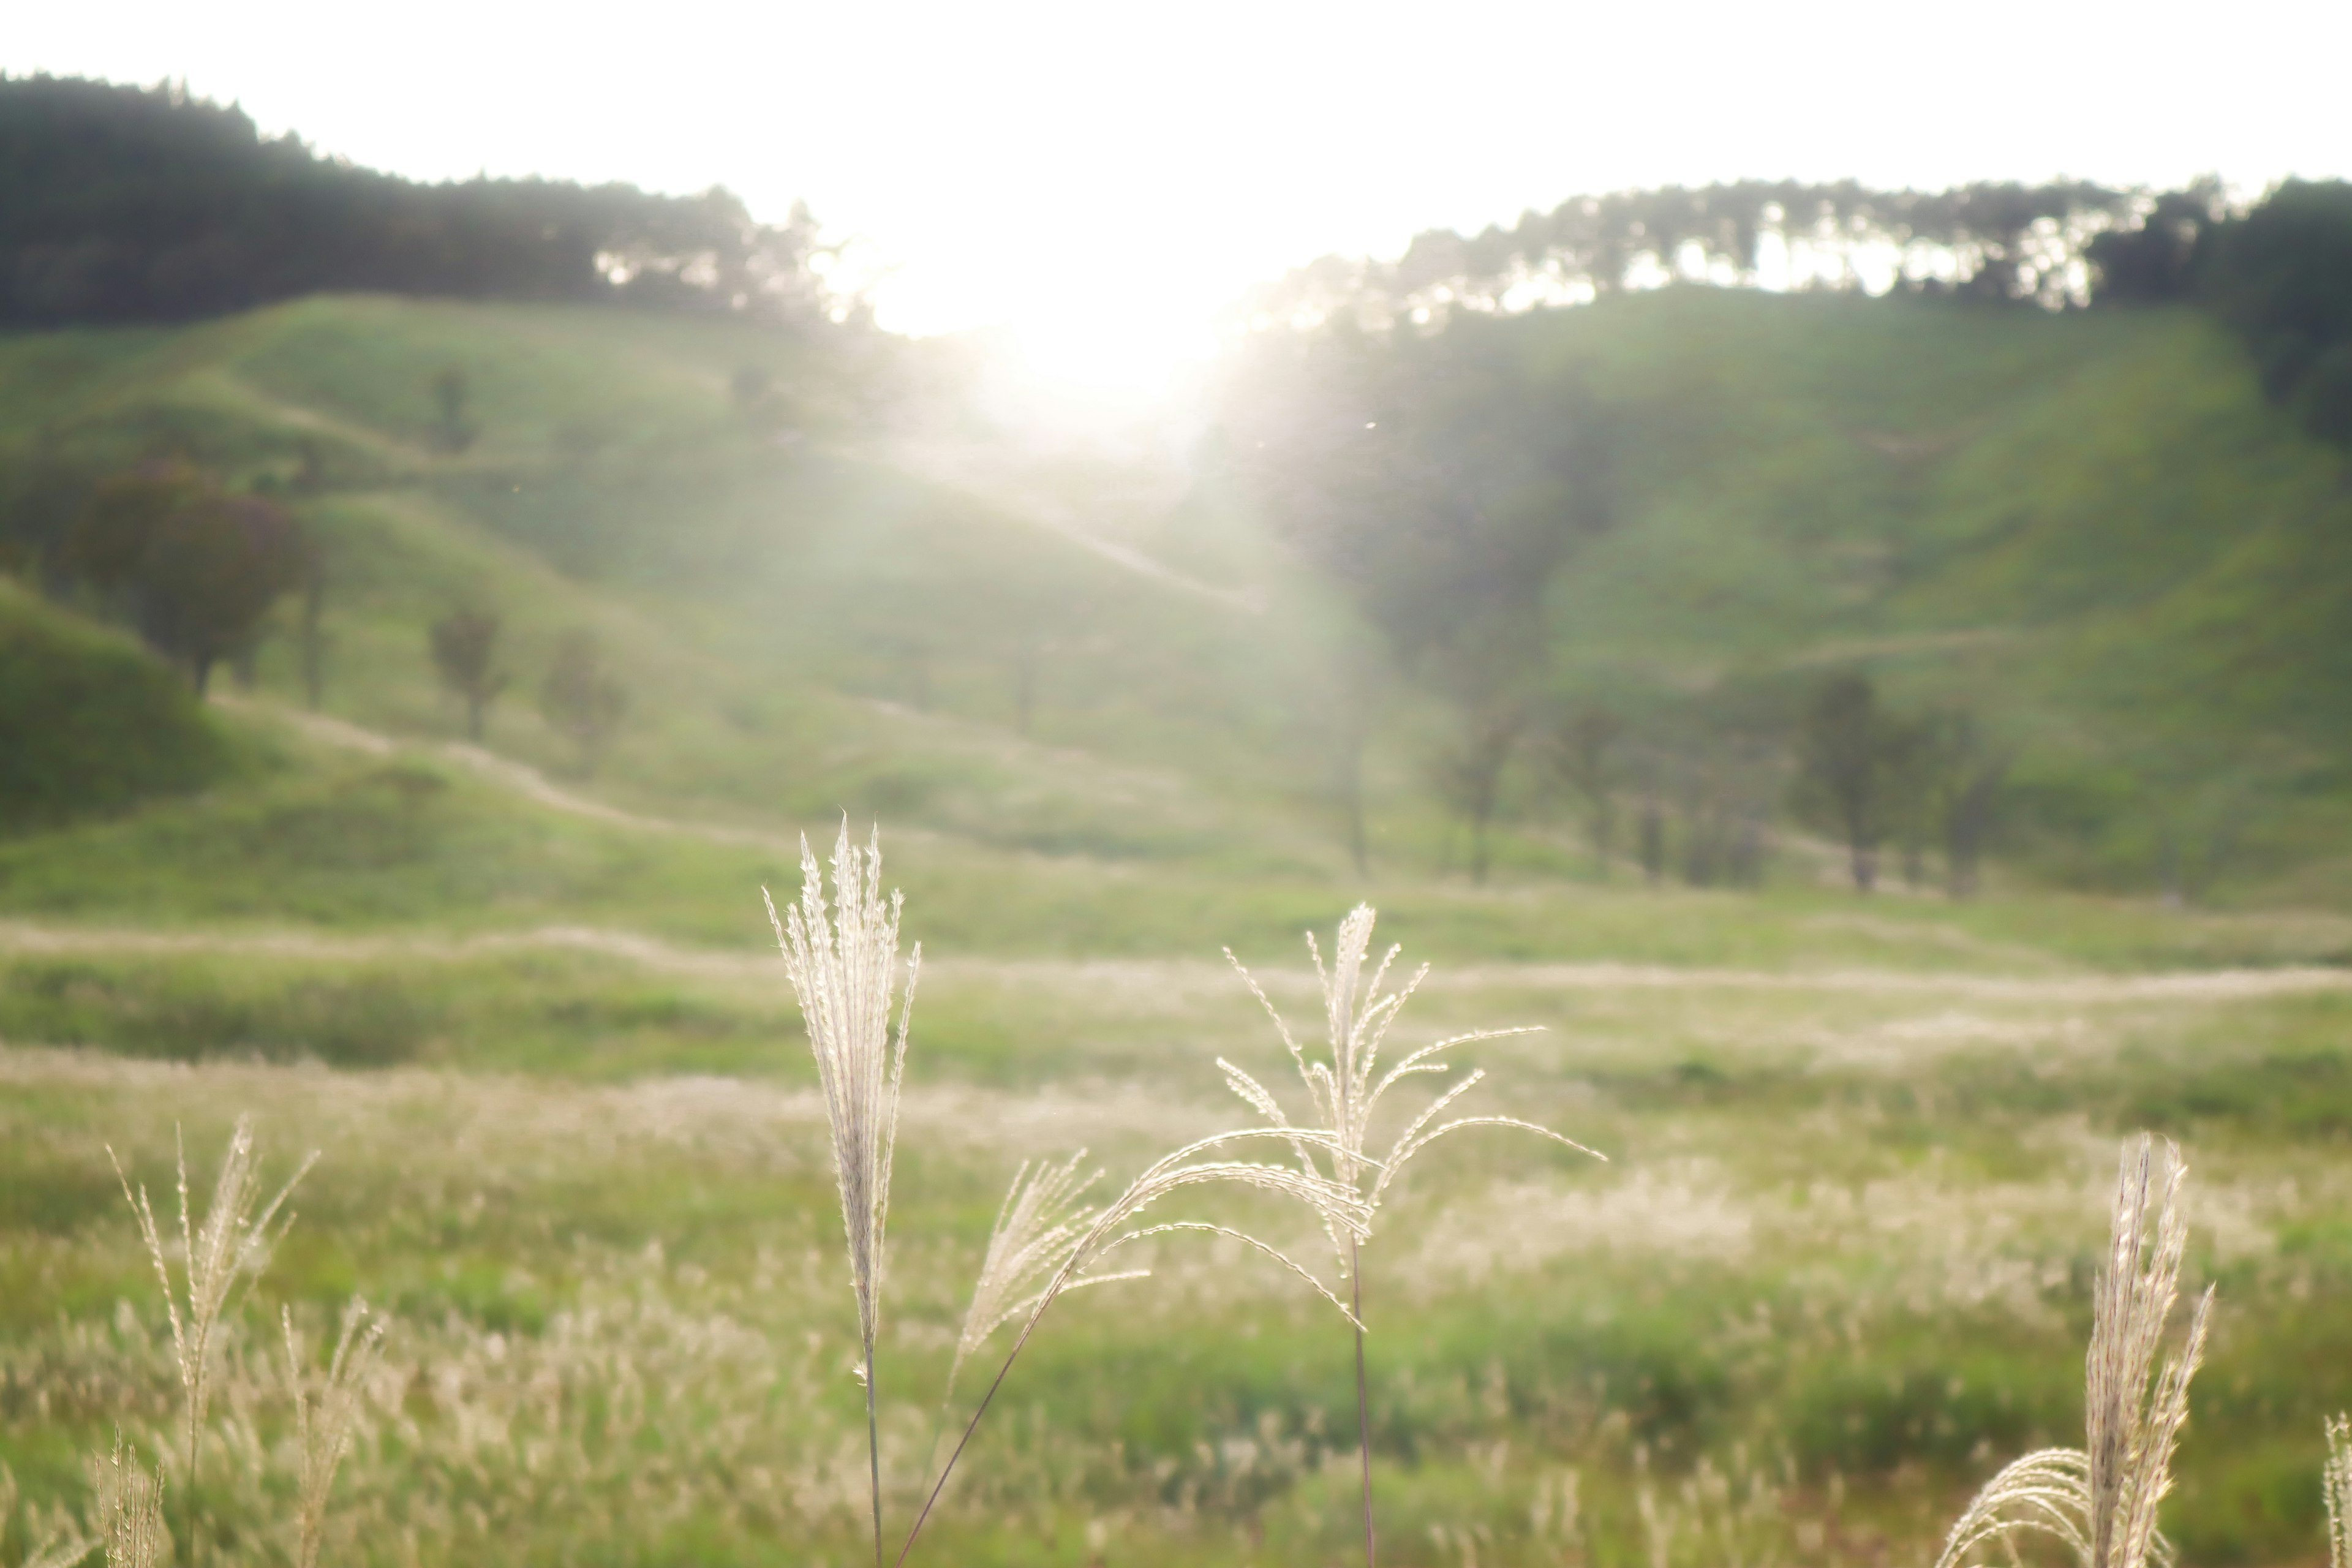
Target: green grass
{"x": 92, "y": 725}
{"x": 533, "y": 1021}
{"x": 2099, "y": 535}
{"x": 1847, "y": 1235}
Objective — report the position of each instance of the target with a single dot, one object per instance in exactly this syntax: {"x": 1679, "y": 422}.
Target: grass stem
{"x": 1363, "y": 1405}
{"x": 969, "y": 1428}
{"x": 873, "y": 1453}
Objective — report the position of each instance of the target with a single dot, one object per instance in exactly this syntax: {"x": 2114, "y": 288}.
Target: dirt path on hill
{"x": 1176, "y": 977}
{"x": 519, "y": 778}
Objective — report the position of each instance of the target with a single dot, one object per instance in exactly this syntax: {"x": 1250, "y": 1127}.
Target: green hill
{"x": 92, "y": 725}
{"x": 2089, "y": 525}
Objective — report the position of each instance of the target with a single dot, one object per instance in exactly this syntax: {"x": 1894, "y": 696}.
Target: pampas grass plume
{"x": 233, "y": 1243}
{"x": 326, "y": 1410}
{"x": 844, "y": 964}
{"x": 2101, "y": 1501}
{"x": 129, "y": 1505}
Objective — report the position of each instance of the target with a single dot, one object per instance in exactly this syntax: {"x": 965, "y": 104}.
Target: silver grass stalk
{"x": 1345, "y": 1087}
{"x": 233, "y": 1243}
{"x": 326, "y": 1409}
{"x": 1077, "y": 1244}
{"x": 2101, "y": 1501}
{"x": 130, "y": 1502}
{"x": 844, "y": 966}
{"x": 1039, "y": 1224}
{"x": 2337, "y": 1479}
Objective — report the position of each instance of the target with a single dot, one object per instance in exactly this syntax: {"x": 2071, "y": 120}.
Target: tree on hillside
{"x": 2006, "y": 241}
{"x": 464, "y": 644}
{"x": 1652, "y": 832}
{"x": 1583, "y": 751}
{"x": 195, "y": 566}
{"x": 126, "y": 204}
{"x": 452, "y": 432}
{"x": 582, "y": 697}
{"x": 1468, "y": 770}
{"x": 1846, "y": 753}
{"x": 1967, "y": 772}
{"x": 312, "y": 641}
{"x": 2156, "y": 261}
{"x": 1910, "y": 769}
{"x": 1437, "y": 481}
{"x": 41, "y": 494}
{"x": 2283, "y": 277}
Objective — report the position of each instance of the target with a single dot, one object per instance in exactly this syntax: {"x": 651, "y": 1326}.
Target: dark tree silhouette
{"x": 465, "y": 645}
{"x": 2008, "y": 242}
{"x": 1437, "y": 481}
{"x": 582, "y": 697}
{"x": 452, "y": 432}
{"x": 1652, "y": 835}
{"x": 1843, "y": 755}
{"x": 195, "y": 566}
{"x": 2283, "y": 277}
{"x": 313, "y": 633}
{"x": 1583, "y": 751}
{"x": 1969, "y": 771}
{"x": 1469, "y": 771}
{"x": 120, "y": 204}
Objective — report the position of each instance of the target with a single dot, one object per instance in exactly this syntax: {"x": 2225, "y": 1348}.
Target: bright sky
{"x": 1102, "y": 177}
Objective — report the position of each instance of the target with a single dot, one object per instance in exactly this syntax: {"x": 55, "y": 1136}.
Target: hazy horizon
{"x": 1101, "y": 184}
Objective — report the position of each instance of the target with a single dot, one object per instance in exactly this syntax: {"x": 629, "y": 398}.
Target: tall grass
{"x": 844, "y": 966}
{"x": 326, "y": 1410}
{"x": 2100, "y": 1501}
{"x": 1077, "y": 1246}
{"x": 2335, "y": 1480}
{"x": 1344, "y": 1089}
{"x": 232, "y": 1244}
{"x": 130, "y": 1510}
{"x": 1055, "y": 1231}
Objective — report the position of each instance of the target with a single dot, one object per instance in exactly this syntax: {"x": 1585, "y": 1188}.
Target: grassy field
{"x": 1835, "y": 1270}
{"x": 1838, "y": 1259}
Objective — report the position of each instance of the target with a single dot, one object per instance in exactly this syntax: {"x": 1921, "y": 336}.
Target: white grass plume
{"x": 129, "y": 1508}
{"x": 844, "y": 966}
{"x": 2101, "y": 1501}
{"x": 1067, "y": 1246}
{"x": 326, "y": 1409}
{"x": 1040, "y": 1224}
{"x": 2338, "y": 1482}
{"x": 233, "y": 1243}
{"x": 1346, "y": 1086}
{"x": 1344, "y": 1089}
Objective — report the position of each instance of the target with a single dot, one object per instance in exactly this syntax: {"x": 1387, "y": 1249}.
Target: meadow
{"x": 1836, "y": 1269}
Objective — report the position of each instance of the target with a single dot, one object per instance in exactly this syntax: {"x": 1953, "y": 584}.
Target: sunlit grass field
{"x": 1835, "y": 1270}
{"x": 1834, "y": 1273}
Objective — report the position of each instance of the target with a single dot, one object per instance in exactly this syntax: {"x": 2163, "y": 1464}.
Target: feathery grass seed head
{"x": 2101, "y": 1501}
{"x": 233, "y": 1243}
{"x": 1040, "y": 1224}
{"x": 2337, "y": 1481}
{"x": 842, "y": 963}
{"x": 130, "y": 1510}
{"x": 1346, "y": 1085}
{"x": 325, "y": 1411}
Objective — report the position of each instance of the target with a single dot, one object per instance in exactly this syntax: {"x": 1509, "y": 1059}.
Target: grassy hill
{"x": 1841, "y": 1253}
{"x": 2089, "y": 526}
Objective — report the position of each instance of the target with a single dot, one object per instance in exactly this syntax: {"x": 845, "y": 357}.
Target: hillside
{"x": 2088, "y": 525}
